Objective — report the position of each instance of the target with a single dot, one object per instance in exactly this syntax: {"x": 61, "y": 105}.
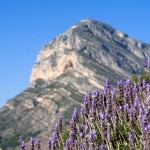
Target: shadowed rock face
{"x": 78, "y": 60}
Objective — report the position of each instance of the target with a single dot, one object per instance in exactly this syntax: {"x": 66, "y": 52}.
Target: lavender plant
{"x": 109, "y": 120}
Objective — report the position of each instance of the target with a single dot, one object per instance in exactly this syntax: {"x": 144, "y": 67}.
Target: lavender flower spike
{"x": 49, "y": 144}
{"x": 92, "y": 136}
{"x": 32, "y": 143}
{"x": 22, "y": 146}
{"x": 31, "y": 140}
{"x": 131, "y": 140}
{"x": 102, "y": 147}
{"x": 38, "y": 142}
{"x": 60, "y": 123}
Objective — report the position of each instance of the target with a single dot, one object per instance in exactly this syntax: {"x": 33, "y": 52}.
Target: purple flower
{"x": 114, "y": 92}
{"x": 120, "y": 108}
{"x": 71, "y": 123}
{"x": 89, "y": 92}
{"x": 141, "y": 110}
{"x": 60, "y": 118}
{"x": 102, "y": 117}
{"x": 144, "y": 82}
{"x": 146, "y": 146}
{"x": 93, "y": 104}
{"x": 136, "y": 102}
{"x": 57, "y": 129}
{"x": 107, "y": 82}
{"x": 107, "y": 86}
{"x": 53, "y": 144}
{"x": 131, "y": 140}
{"x": 135, "y": 88}
{"x": 146, "y": 110}
{"x": 102, "y": 147}
{"x": 92, "y": 114}
{"x": 82, "y": 135}
{"x": 60, "y": 123}
{"x": 148, "y": 89}
{"x": 119, "y": 84}
{"x": 49, "y": 143}
{"x": 67, "y": 144}
{"x": 108, "y": 103}
{"x": 22, "y": 146}
{"x": 107, "y": 113}
{"x": 54, "y": 136}
{"x": 75, "y": 111}
{"x": 32, "y": 143}
{"x": 85, "y": 99}
{"x": 83, "y": 146}
{"x": 38, "y": 142}
{"x": 32, "y": 140}
{"x": 108, "y": 137}
{"x": 72, "y": 135}
{"x": 126, "y": 95}
{"x": 131, "y": 114}
{"x": 147, "y": 128}
{"x": 92, "y": 136}
{"x": 139, "y": 79}
{"x": 148, "y": 100}
{"x": 126, "y": 107}
{"x": 81, "y": 129}
{"x": 95, "y": 94}
{"x": 76, "y": 144}
{"x": 143, "y": 120}
{"x": 128, "y": 83}
{"x": 83, "y": 113}
{"x": 82, "y": 110}
{"x": 75, "y": 115}
{"x": 130, "y": 137}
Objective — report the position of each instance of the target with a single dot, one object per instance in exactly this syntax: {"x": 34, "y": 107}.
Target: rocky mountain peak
{"x": 89, "y": 40}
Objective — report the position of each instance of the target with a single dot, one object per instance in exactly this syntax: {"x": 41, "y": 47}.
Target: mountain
{"x": 75, "y": 61}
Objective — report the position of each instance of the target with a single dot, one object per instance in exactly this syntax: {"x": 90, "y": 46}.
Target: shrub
{"x": 110, "y": 119}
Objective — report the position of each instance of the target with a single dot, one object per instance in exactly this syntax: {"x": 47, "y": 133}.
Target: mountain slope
{"x": 77, "y": 60}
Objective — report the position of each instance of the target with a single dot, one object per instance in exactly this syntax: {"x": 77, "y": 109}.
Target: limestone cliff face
{"x": 78, "y": 60}
{"x": 90, "y": 41}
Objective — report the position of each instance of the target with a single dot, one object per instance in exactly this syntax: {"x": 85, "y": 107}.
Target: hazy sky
{"x": 26, "y": 25}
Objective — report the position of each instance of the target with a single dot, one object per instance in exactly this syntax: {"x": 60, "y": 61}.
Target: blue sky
{"x": 26, "y": 25}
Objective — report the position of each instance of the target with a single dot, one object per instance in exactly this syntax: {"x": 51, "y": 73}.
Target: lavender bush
{"x": 108, "y": 120}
